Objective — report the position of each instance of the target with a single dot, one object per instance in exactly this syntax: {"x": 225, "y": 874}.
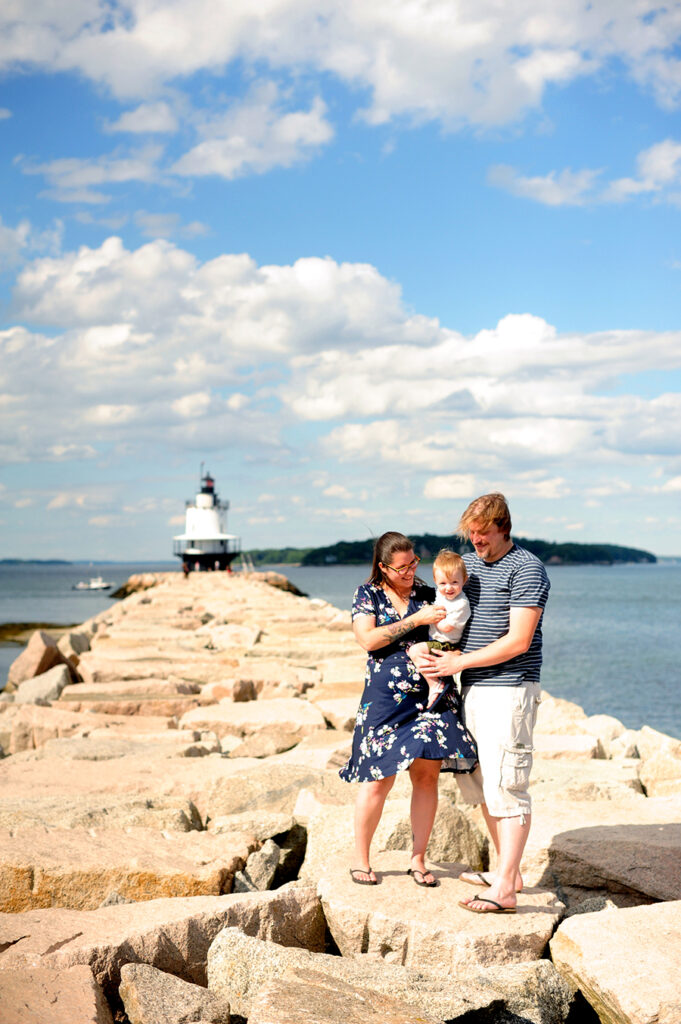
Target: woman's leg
{"x": 368, "y": 809}
{"x": 424, "y": 779}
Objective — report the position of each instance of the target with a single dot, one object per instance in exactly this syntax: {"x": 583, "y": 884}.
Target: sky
{"x": 364, "y": 262}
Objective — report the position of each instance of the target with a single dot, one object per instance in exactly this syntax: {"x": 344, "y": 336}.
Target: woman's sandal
{"x": 362, "y": 881}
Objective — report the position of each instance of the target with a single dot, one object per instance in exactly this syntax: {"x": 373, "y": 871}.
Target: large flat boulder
{"x": 627, "y": 963}
{"x": 100, "y": 811}
{"x": 610, "y": 850}
{"x": 79, "y": 869}
{"x": 408, "y": 924}
{"x": 42, "y": 995}
{"x": 28, "y": 726}
{"x": 241, "y": 968}
{"x": 244, "y": 719}
{"x": 173, "y": 935}
{"x": 304, "y": 995}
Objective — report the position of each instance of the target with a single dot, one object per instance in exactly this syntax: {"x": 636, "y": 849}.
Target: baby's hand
{"x": 446, "y": 627}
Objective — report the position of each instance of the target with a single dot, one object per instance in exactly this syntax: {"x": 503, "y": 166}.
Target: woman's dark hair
{"x": 384, "y": 549}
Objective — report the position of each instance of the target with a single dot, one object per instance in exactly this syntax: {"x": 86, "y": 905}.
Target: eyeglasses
{"x": 404, "y": 569}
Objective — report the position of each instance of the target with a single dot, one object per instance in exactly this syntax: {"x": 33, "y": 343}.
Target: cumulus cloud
{"x": 255, "y": 135}
{"x": 658, "y": 175}
{"x": 320, "y": 364}
{"x": 475, "y": 61}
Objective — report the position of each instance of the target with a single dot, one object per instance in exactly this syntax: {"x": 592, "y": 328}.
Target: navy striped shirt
{"x": 517, "y": 580}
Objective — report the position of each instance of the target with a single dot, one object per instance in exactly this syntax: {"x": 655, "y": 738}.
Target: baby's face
{"x": 449, "y": 584}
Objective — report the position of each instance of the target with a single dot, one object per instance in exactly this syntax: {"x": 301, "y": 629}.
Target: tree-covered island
{"x": 427, "y": 545}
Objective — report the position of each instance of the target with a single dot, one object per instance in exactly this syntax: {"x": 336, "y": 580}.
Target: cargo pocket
{"x": 516, "y": 764}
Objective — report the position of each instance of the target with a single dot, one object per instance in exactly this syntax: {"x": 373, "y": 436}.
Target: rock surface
{"x": 40, "y": 995}
{"x": 173, "y": 935}
{"x": 151, "y": 996}
{"x": 78, "y": 869}
{"x": 241, "y": 967}
{"x": 625, "y": 963}
{"x": 411, "y": 925}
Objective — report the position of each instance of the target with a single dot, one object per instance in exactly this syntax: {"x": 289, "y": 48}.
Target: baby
{"x": 449, "y": 574}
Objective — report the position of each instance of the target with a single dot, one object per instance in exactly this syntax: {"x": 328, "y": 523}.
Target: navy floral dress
{"x": 393, "y": 727}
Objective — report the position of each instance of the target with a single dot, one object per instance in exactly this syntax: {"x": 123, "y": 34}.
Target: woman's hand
{"x": 430, "y": 613}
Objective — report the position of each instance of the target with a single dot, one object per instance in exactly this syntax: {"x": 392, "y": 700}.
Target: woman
{"x": 394, "y": 732}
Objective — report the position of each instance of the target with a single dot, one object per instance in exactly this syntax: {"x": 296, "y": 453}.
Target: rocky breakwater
{"x": 174, "y": 839}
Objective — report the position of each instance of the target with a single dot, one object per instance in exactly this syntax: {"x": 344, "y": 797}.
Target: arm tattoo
{"x": 395, "y": 630}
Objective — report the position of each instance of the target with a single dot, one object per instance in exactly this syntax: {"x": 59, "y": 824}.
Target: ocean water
{"x": 611, "y": 633}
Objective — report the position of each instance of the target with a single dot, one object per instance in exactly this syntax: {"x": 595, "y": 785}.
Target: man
{"x": 500, "y": 661}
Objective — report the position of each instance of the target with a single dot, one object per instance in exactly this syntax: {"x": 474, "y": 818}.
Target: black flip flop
{"x": 362, "y": 881}
{"x": 428, "y": 885}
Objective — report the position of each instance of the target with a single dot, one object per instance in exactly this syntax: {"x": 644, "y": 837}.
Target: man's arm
{"x": 521, "y": 627}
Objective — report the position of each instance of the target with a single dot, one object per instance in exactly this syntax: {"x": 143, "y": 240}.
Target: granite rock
{"x": 77, "y": 869}
{"x": 40, "y": 654}
{"x": 151, "y": 996}
{"x": 45, "y": 687}
{"x": 240, "y": 967}
{"x": 626, "y": 963}
{"x": 40, "y": 995}
{"x": 173, "y": 935}
{"x": 412, "y": 925}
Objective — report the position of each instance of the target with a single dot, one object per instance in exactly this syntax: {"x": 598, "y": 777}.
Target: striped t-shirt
{"x": 517, "y": 580}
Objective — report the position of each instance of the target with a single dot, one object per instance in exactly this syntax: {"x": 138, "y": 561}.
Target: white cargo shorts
{"x": 501, "y": 719}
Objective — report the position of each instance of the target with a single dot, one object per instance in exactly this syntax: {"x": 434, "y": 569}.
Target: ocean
{"x": 611, "y": 633}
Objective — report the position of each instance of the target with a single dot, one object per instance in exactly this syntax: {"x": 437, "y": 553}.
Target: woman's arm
{"x": 372, "y": 637}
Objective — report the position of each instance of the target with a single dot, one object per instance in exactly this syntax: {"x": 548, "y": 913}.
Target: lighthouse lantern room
{"x": 204, "y": 544}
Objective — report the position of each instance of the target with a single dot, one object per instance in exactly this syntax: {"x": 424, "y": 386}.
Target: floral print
{"x": 392, "y": 727}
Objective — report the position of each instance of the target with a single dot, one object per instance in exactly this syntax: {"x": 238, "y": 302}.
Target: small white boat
{"x": 96, "y": 583}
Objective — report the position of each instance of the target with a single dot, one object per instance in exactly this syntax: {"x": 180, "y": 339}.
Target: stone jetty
{"x": 175, "y": 840}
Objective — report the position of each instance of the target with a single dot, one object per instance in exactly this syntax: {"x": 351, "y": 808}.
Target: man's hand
{"x": 448, "y": 663}
{"x": 424, "y": 662}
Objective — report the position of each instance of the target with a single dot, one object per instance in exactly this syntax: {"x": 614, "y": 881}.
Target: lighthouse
{"x": 204, "y": 543}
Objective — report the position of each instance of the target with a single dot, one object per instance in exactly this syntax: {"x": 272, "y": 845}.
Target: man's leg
{"x": 502, "y": 721}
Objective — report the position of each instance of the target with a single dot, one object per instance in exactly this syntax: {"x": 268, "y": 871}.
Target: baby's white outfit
{"x": 458, "y": 613}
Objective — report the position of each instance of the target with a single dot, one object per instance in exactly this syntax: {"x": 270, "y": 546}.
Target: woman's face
{"x": 401, "y": 570}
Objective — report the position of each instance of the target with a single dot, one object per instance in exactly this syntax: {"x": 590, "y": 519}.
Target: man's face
{"x": 489, "y": 541}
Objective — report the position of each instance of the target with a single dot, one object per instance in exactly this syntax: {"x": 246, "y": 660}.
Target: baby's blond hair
{"x": 450, "y": 563}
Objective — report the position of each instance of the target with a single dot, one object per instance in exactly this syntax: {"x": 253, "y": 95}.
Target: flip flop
{"x": 485, "y": 899}
{"x": 362, "y": 881}
{"x": 482, "y": 881}
{"x": 428, "y": 885}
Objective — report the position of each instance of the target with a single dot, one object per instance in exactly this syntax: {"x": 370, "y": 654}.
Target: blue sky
{"x": 364, "y": 261}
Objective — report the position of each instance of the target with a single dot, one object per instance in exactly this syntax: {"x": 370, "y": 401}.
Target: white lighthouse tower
{"x": 204, "y": 543}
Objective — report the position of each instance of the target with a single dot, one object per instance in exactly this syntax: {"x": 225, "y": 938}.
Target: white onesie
{"x": 458, "y": 613}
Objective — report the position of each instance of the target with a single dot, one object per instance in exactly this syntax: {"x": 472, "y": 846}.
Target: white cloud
{"x": 167, "y": 225}
{"x": 255, "y": 135}
{"x": 475, "y": 61}
{"x": 5, "y": 113}
{"x": 452, "y": 485}
{"x": 320, "y": 365}
{"x": 565, "y": 188}
{"x": 17, "y": 242}
{"x": 74, "y": 180}
{"x": 148, "y": 118}
{"x": 658, "y": 174}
